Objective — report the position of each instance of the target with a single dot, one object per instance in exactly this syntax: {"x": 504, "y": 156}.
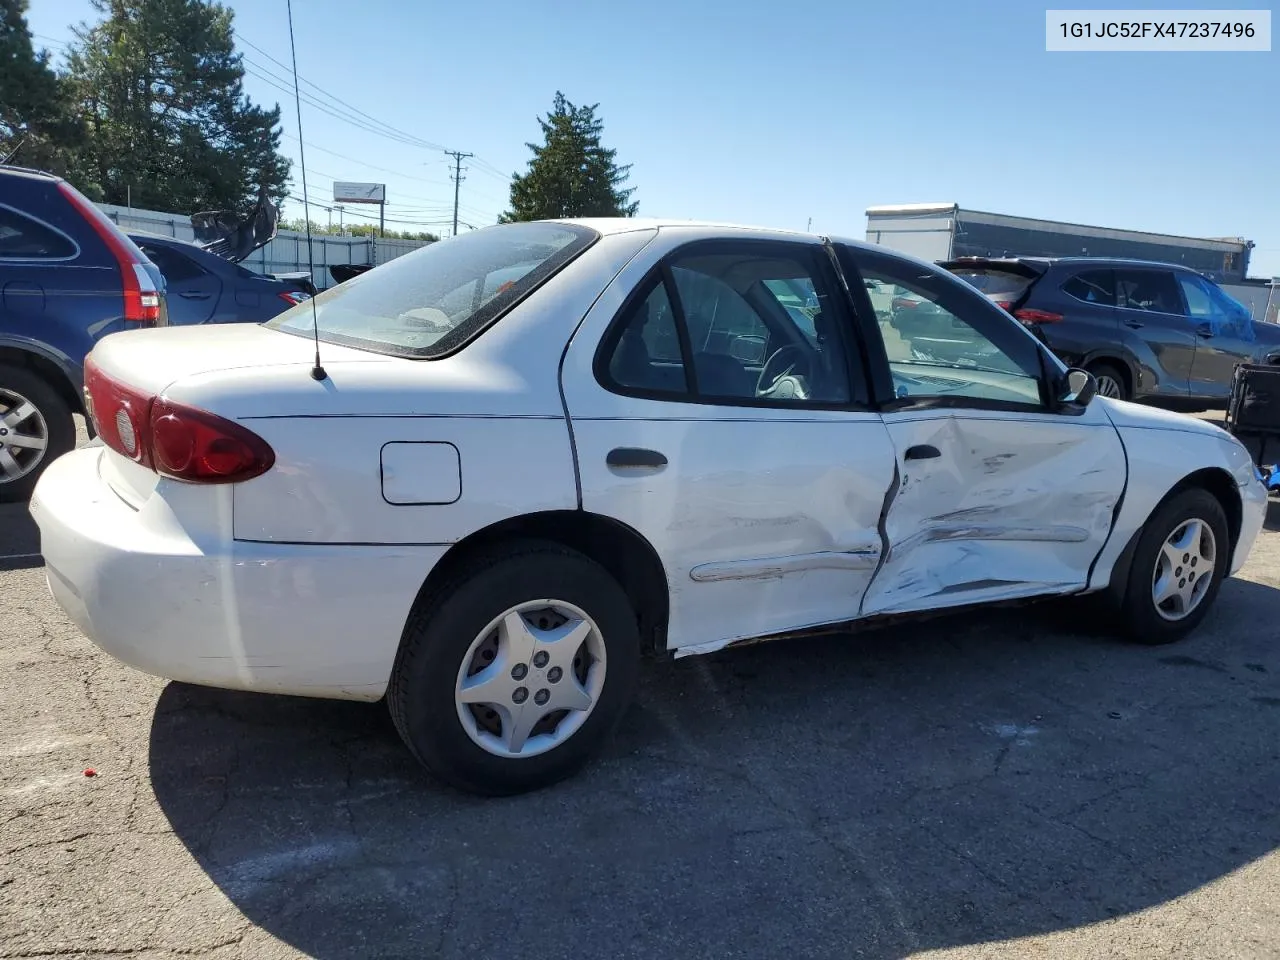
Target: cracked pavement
{"x": 1008, "y": 785}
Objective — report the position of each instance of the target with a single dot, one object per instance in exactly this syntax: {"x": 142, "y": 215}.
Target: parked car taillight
{"x": 294, "y": 297}
{"x": 171, "y": 438}
{"x": 141, "y": 295}
{"x": 1027, "y": 315}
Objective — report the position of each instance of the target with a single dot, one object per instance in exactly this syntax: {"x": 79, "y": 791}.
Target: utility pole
{"x": 458, "y": 157}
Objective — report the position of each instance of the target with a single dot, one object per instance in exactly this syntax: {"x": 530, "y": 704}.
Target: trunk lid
{"x": 151, "y": 360}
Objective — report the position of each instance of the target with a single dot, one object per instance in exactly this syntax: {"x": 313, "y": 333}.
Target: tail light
{"x": 141, "y": 295}
{"x": 1003, "y": 304}
{"x": 904, "y": 303}
{"x": 294, "y": 297}
{"x": 171, "y": 438}
{"x": 1027, "y": 315}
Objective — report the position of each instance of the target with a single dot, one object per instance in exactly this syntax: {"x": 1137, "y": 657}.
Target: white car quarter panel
{"x": 1016, "y": 504}
{"x": 421, "y": 473}
{"x": 326, "y": 486}
{"x": 201, "y": 608}
{"x": 1162, "y": 448}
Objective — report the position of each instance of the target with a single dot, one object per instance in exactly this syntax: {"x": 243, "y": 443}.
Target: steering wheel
{"x": 778, "y": 377}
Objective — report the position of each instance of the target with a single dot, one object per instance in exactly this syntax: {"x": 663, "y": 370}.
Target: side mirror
{"x": 1076, "y": 388}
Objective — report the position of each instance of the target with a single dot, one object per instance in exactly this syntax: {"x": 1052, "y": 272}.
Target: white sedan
{"x": 485, "y": 479}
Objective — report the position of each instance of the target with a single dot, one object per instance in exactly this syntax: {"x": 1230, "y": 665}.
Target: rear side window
{"x": 22, "y": 238}
{"x": 430, "y": 302}
{"x": 1150, "y": 290}
{"x": 175, "y": 267}
{"x": 1092, "y": 286}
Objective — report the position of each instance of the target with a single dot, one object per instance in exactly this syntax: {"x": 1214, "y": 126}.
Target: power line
{"x": 418, "y": 141}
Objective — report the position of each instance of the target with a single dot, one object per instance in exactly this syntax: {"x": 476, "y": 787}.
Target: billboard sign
{"x": 359, "y": 192}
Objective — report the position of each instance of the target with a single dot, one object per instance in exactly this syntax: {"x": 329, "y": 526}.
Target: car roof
{"x": 612, "y": 225}
{"x": 1070, "y": 261}
{"x": 27, "y": 172}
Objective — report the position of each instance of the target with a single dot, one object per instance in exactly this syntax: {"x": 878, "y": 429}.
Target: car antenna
{"x": 317, "y": 371}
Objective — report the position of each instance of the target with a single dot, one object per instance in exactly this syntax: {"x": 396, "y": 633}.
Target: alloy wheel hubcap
{"x": 24, "y": 436}
{"x": 531, "y": 678}
{"x": 1108, "y": 387}
{"x": 1184, "y": 569}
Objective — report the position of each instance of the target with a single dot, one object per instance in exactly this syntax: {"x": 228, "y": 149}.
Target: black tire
{"x": 443, "y": 626}
{"x": 58, "y": 422}
{"x": 1112, "y": 372}
{"x": 1139, "y": 616}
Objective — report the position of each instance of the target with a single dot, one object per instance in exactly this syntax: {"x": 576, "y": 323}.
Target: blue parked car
{"x": 203, "y": 287}
{"x": 68, "y": 277}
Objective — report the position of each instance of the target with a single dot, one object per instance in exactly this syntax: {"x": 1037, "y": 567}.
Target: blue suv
{"x": 68, "y": 277}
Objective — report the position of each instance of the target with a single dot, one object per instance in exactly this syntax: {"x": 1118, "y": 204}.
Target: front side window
{"x": 22, "y": 238}
{"x": 752, "y": 326}
{"x": 1152, "y": 291}
{"x": 944, "y": 345}
{"x": 1208, "y": 303}
{"x": 432, "y": 301}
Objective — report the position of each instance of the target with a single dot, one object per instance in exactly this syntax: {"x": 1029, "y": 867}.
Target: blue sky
{"x": 775, "y": 113}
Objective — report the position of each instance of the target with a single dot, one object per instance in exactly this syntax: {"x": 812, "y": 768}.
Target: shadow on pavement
{"x": 975, "y": 779}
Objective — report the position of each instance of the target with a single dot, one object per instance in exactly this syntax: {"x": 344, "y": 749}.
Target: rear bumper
{"x": 312, "y": 620}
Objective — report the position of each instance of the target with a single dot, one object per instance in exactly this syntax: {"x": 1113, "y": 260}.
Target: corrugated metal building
{"x": 941, "y": 231}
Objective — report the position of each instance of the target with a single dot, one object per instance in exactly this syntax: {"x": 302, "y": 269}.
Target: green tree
{"x": 169, "y": 126}
{"x": 571, "y": 174}
{"x": 36, "y": 125}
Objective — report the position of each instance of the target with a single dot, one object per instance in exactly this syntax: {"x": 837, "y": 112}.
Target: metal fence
{"x": 287, "y": 253}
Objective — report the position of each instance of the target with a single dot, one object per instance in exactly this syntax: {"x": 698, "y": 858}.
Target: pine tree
{"x": 571, "y": 174}
{"x": 169, "y": 126}
{"x": 36, "y": 126}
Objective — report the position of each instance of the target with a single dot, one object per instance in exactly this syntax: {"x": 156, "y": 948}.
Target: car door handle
{"x": 922, "y": 451}
{"x": 1204, "y": 330}
{"x": 194, "y": 295}
{"x": 635, "y": 457}
{"x": 1134, "y": 324}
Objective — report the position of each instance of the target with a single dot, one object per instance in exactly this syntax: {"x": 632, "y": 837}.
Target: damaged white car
{"x": 485, "y": 479}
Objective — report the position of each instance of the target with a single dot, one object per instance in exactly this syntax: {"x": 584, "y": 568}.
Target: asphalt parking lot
{"x": 1010, "y": 785}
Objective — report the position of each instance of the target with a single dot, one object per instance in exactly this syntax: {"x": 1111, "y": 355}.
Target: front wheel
{"x": 1181, "y": 559}
{"x": 1110, "y": 381}
{"x": 511, "y": 675}
{"x": 36, "y": 427}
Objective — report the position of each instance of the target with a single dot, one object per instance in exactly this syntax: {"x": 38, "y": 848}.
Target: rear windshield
{"x": 432, "y": 301}
{"x": 1001, "y": 286}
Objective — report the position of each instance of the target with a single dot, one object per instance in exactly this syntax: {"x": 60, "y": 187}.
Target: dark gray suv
{"x": 1147, "y": 331}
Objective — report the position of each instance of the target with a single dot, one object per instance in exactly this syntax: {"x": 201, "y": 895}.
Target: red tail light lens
{"x": 171, "y": 438}
{"x": 141, "y": 295}
{"x": 200, "y": 447}
{"x": 904, "y": 303}
{"x": 293, "y": 297}
{"x": 1037, "y": 316}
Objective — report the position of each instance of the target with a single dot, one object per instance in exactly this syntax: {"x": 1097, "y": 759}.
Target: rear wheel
{"x": 1178, "y": 567}
{"x": 35, "y": 428}
{"x": 511, "y": 675}
{"x": 1111, "y": 382}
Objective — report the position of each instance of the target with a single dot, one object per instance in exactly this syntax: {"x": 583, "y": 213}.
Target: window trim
{"x": 823, "y": 272}
{"x": 851, "y": 261}
{"x": 23, "y": 214}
